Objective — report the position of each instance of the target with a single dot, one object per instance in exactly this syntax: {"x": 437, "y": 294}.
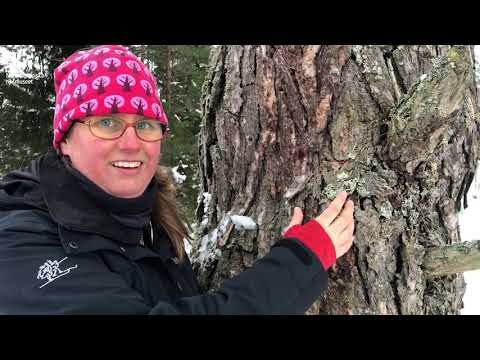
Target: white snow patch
{"x": 209, "y": 250}
{"x": 179, "y": 178}
{"x": 243, "y": 222}
{"x": 188, "y": 247}
{"x": 476, "y": 53}
{"x": 12, "y": 63}
{"x": 209, "y": 245}
{"x": 469, "y": 230}
{"x": 206, "y": 202}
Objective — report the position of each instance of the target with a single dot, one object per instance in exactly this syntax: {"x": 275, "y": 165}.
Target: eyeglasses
{"x": 110, "y": 128}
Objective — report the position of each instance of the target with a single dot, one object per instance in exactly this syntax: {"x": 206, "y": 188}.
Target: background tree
{"x": 27, "y": 105}
{"x": 180, "y": 70}
{"x": 395, "y": 126}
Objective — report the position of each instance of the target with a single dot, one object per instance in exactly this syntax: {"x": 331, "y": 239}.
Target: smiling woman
{"x": 96, "y": 215}
{"x": 119, "y": 153}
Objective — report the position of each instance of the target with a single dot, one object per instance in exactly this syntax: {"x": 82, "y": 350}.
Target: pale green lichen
{"x": 477, "y": 117}
{"x": 362, "y": 189}
{"x": 330, "y": 191}
{"x": 350, "y": 156}
{"x": 385, "y": 209}
{"x": 407, "y": 205}
{"x": 350, "y": 185}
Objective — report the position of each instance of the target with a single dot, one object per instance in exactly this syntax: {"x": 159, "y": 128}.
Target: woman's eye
{"x": 106, "y": 122}
{"x": 143, "y": 125}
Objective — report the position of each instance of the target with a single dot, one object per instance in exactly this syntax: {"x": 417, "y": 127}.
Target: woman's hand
{"x": 336, "y": 220}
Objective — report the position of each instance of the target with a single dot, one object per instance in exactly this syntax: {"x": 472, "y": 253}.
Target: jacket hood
{"x": 20, "y": 189}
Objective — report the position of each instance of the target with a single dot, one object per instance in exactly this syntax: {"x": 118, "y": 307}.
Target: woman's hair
{"x": 165, "y": 211}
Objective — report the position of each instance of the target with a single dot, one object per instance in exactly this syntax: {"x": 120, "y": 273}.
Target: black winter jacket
{"x": 62, "y": 254}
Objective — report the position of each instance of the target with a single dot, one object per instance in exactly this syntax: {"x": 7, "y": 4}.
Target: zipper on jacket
{"x": 151, "y": 232}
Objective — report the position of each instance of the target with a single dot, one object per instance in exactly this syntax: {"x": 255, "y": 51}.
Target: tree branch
{"x": 450, "y": 259}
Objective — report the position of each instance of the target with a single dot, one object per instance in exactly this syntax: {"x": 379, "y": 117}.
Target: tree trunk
{"x": 395, "y": 126}
{"x": 168, "y": 76}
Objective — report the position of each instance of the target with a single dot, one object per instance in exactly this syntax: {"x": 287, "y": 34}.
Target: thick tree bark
{"x": 289, "y": 126}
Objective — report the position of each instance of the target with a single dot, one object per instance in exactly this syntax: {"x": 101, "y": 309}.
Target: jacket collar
{"x": 22, "y": 189}
{"x": 75, "y": 208}
{"x": 75, "y": 242}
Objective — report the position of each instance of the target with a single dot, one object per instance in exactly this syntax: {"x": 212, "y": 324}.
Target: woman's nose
{"x": 129, "y": 140}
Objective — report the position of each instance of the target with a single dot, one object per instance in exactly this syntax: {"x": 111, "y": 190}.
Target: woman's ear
{"x": 65, "y": 146}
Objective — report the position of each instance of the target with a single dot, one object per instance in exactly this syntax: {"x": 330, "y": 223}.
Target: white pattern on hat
{"x": 81, "y": 57}
{"x": 101, "y": 51}
{"x": 111, "y": 63}
{"x": 89, "y": 106}
{"x": 114, "y": 100}
{"x": 89, "y": 67}
{"x": 126, "y": 81}
{"x": 72, "y": 76}
{"x": 139, "y": 104}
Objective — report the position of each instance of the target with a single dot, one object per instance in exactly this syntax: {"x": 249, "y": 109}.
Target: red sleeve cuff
{"x": 316, "y": 239}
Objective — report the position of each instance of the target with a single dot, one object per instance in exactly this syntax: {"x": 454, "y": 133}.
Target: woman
{"x": 91, "y": 227}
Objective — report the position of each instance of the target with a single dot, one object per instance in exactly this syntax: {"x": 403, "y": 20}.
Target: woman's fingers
{"x": 345, "y": 241}
{"x": 345, "y": 218}
{"x": 341, "y": 227}
{"x": 332, "y": 211}
{"x": 336, "y": 220}
{"x": 348, "y": 231}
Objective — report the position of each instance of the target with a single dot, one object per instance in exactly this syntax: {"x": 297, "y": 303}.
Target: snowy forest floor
{"x": 469, "y": 230}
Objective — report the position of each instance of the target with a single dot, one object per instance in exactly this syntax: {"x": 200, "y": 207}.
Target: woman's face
{"x": 105, "y": 161}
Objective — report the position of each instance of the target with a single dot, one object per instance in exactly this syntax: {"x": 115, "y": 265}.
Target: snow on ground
{"x": 469, "y": 230}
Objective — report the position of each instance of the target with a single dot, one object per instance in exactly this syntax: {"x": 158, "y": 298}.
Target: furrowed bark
{"x": 395, "y": 126}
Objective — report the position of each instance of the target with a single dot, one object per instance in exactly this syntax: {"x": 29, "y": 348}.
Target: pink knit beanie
{"x": 105, "y": 80}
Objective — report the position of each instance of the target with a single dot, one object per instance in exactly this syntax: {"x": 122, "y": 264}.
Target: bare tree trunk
{"x": 395, "y": 126}
{"x": 168, "y": 76}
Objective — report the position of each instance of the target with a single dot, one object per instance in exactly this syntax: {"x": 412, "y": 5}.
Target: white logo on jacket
{"x": 51, "y": 271}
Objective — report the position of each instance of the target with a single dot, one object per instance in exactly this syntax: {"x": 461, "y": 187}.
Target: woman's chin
{"x": 127, "y": 192}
